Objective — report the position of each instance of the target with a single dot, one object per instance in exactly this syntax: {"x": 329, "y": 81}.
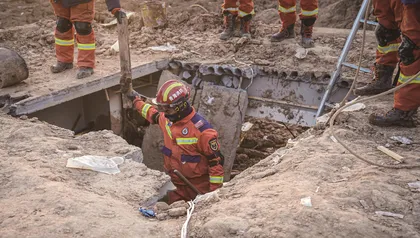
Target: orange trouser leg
{"x": 287, "y": 11}
{"x": 389, "y": 16}
{"x": 246, "y": 7}
{"x": 408, "y": 98}
{"x": 309, "y": 9}
{"x": 230, "y": 5}
{"x": 184, "y": 192}
{"x": 64, "y": 42}
{"x": 85, "y": 43}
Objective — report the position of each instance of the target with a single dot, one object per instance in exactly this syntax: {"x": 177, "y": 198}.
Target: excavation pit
{"x": 273, "y": 100}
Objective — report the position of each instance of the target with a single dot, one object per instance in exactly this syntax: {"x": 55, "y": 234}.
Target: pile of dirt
{"x": 347, "y": 196}
{"x": 263, "y": 139}
{"x": 41, "y": 197}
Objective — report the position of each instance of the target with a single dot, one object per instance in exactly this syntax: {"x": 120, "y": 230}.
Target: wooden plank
{"x": 37, "y": 103}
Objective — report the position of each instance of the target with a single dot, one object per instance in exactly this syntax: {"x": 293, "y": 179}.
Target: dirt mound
{"x": 40, "y": 197}
{"x": 345, "y": 193}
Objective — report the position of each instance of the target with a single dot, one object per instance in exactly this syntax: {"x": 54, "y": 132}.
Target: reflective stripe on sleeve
{"x": 145, "y": 109}
{"x": 216, "y": 179}
{"x": 186, "y": 141}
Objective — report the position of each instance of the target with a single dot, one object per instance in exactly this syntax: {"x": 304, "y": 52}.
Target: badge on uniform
{"x": 185, "y": 131}
{"x": 214, "y": 145}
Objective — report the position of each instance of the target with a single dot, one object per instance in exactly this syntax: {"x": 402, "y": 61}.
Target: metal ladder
{"x": 343, "y": 56}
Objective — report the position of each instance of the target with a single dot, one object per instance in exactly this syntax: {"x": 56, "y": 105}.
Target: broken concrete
{"x": 225, "y": 109}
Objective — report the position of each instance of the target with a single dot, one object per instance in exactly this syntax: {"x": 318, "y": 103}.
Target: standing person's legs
{"x": 64, "y": 42}
{"x": 82, "y": 16}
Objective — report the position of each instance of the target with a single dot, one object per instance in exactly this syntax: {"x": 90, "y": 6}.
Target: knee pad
{"x": 83, "y": 28}
{"x": 385, "y": 35}
{"x": 406, "y": 51}
{"x": 63, "y": 24}
{"x": 309, "y": 21}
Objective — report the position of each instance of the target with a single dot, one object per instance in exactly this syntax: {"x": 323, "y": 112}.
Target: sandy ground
{"x": 40, "y": 197}
{"x": 265, "y": 200}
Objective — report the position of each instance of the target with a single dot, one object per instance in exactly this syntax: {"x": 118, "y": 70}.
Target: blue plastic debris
{"x": 147, "y": 212}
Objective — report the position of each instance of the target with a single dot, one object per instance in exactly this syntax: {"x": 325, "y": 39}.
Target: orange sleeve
{"x": 210, "y": 148}
{"x": 147, "y": 111}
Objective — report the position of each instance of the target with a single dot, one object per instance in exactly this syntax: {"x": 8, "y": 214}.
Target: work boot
{"x": 84, "y": 72}
{"x": 60, "y": 67}
{"x": 285, "y": 33}
{"x": 395, "y": 117}
{"x": 246, "y": 26}
{"x": 229, "y": 20}
{"x": 306, "y": 29}
{"x": 382, "y": 81}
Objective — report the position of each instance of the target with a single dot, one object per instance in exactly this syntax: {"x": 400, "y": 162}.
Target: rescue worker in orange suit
{"x": 308, "y": 16}
{"x": 190, "y": 143}
{"x": 388, "y": 36}
{"x": 77, "y": 15}
{"x": 407, "y": 99}
{"x": 231, "y": 11}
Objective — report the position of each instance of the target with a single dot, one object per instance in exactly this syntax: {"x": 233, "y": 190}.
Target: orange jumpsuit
{"x": 408, "y": 98}
{"x": 287, "y": 11}
{"x": 191, "y": 147}
{"x": 389, "y": 16}
{"x": 246, "y": 7}
{"x": 64, "y": 42}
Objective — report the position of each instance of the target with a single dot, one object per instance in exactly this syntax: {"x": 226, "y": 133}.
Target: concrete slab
{"x": 225, "y": 109}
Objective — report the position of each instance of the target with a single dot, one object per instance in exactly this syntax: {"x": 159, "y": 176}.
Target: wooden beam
{"x": 37, "y": 103}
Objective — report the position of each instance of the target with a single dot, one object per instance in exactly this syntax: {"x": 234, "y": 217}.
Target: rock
{"x": 24, "y": 117}
{"x": 72, "y": 147}
{"x": 177, "y": 212}
{"x": 162, "y": 216}
{"x": 135, "y": 154}
{"x": 177, "y": 204}
{"x": 161, "y": 206}
{"x": 13, "y": 68}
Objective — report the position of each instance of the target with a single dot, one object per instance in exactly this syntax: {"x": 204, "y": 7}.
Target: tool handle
{"x": 187, "y": 181}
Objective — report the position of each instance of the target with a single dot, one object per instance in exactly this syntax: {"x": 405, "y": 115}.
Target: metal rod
{"x": 187, "y": 181}
{"x": 353, "y": 66}
{"x": 374, "y": 23}
{"x": 342, "y": 58}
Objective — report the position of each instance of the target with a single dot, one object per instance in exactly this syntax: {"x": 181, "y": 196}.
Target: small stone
{"x": 161, "y": 206}
{"x": 177, "y": 212}
{"x": 33, "y": 119}
{"x": 24, "y": 117}
{"x": 72, "y": 147}
{"x": 178, "y": 204}
{"x": 162, "y": 216}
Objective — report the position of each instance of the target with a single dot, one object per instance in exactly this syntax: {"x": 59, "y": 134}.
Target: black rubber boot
{"x": 395, "y": 117}
{"x": 285, "y": 33}
{"x": 306, "y": 30}
{"x": 246, "y": 26}
{"x": 229, "y": 20}
{"x": 84, "y": 72}
{"x": 381, "y": 82}
{"x": 60, "y": 67}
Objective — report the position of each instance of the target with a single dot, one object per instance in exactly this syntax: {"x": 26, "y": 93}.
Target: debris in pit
{"x": 149, "y": 213}
{"x": 306, "y": 201}
{"x": 301, "y": 53}
{"x": 96, "y": 163}
{"x": 165, "y": 48}
{"x": 414, "y": 186}
{"x": 259, "y": 139}
{"x": 389, "y": 214}
{"x": 402, "y": 140}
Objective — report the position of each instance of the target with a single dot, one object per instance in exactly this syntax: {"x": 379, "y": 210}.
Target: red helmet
{"x": 172, "y": 93}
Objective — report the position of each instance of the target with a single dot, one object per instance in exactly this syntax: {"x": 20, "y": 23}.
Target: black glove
{"x": 120, "y": 14}
{"x": 133, "y": 95}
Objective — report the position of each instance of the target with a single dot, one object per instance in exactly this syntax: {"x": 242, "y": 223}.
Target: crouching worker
{"x": 191, "y": 145}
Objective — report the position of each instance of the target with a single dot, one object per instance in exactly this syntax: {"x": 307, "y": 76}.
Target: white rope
{"x": 184, "y": 230}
